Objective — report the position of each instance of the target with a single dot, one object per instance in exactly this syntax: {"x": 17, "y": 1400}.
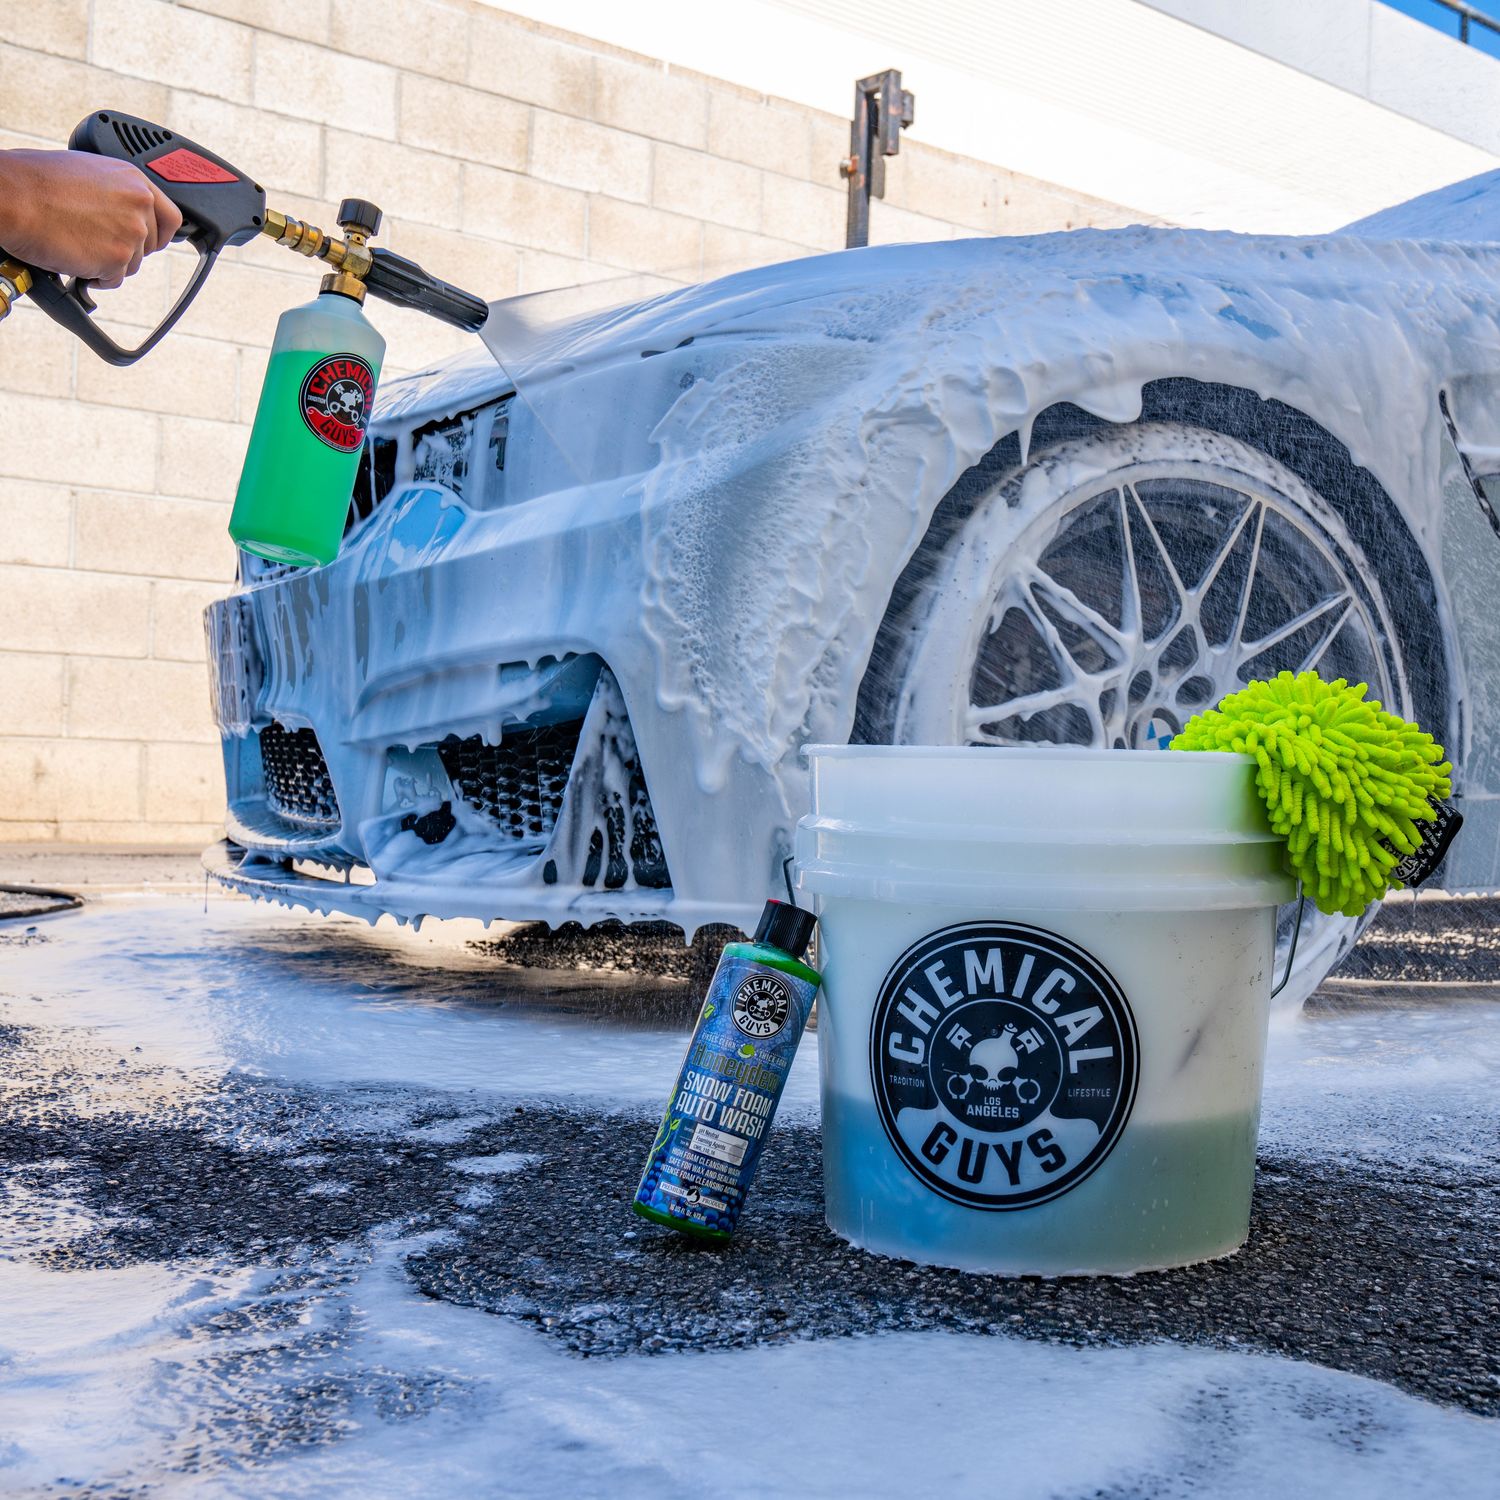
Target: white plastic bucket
{"x": 1046, "y": 986}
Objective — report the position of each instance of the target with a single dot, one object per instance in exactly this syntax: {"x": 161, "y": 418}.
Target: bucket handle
{"x": 1291, "y": 953}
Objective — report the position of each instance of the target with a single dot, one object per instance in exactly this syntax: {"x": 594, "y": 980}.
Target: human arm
{"x": 81, "y": 215}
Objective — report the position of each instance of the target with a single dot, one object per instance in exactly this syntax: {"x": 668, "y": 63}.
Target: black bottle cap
{"x": 786, "y": 927}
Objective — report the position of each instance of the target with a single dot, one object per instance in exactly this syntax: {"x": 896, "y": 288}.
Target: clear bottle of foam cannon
{"x": 309, "y": 429}
{"x": 720, "y": 1112}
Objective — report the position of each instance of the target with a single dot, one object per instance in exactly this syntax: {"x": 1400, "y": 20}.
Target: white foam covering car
{"x": 1066, "y": 488}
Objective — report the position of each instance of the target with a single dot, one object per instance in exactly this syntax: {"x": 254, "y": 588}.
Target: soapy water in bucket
{"x": 1046, "y": 988}
{"x": 1103, "y": 1118}
{"x": 876, "y": 1200}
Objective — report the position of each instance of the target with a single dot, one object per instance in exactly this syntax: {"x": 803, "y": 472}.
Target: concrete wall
{"x": 1269, "y": 116}
{"x": 508, "y": 156}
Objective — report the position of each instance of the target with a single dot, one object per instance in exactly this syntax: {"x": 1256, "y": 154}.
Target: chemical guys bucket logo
{"x": 335, "y": 400}
{"x": 1004, "y": 1063}
{"x": 761, "y": 1005}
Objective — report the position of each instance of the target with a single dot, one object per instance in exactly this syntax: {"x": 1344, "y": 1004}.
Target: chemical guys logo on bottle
{"x": 1004, "y": 1063}
{"x": 335, "y": 400}
{"x": 761, "y": 1005}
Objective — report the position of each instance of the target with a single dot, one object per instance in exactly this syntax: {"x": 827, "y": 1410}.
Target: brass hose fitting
{"x": 15, "y": 282}
{"x": 305, "y": 239}
{"x": 350, "y": 257}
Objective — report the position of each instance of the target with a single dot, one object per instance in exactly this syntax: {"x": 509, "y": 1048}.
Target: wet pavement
{"x": 1434, "y": 946}
{"x": 1357, "y": 1268}
{"x": 225, "y": 1095}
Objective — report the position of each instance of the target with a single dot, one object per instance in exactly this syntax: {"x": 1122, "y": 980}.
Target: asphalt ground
{"x": 1360, "y": 1266}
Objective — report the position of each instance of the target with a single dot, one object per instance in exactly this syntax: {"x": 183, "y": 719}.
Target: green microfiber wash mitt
{"x": 1344, "y": 782}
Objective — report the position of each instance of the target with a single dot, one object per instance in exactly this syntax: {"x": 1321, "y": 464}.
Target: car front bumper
{"x": 438, "y": 724}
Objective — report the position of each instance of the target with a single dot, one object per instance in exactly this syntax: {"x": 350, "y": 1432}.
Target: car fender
{"x": 797, "y": 474}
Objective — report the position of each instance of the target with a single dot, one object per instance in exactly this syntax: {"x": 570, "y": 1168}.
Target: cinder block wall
{"x": 508, "y": 157}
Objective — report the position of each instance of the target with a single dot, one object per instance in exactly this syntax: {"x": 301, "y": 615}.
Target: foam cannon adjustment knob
{"x": 358, "y": 216}
{"x": 359, "y": 219}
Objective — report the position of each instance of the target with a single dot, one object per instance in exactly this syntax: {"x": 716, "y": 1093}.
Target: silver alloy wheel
{"x": 1113, "y": 586}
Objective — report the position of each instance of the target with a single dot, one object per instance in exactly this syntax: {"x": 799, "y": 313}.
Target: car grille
{"x": 373, "y": 480}
{"x": 519, "y": 783}
{"x": 298, "y": 787}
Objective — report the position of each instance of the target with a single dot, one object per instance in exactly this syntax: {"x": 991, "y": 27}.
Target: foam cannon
{"x": 221, "y": 207}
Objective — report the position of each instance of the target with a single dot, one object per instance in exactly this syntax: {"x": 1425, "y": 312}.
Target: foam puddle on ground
{"x": 196, "y": 1379}
{"x": 1412, "y": 1085}
{"x": 331, "y": 1375}
{"x": 312, "y": 1000}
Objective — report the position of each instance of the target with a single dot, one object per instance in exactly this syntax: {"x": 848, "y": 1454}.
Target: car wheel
{"x": 1109, "y": 588}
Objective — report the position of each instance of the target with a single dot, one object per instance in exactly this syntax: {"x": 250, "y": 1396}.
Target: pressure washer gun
{"x": 309, "y": 431}
{"x": 222, "y": 207}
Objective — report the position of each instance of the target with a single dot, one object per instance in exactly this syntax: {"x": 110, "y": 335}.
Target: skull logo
{"x": 762, "y": 1003}
{"x": 346, "y": 401}
{"x": 994, "y": 1056}
{"x": 995, "y": 1065}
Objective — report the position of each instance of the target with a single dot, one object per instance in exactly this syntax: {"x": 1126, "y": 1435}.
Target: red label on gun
{"x": 183, "y": 165}
{"x": 335, "y": 400}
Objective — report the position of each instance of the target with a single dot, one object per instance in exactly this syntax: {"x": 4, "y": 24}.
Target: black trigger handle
{"x": 69, "y": 304}
{"x": 219, "y": 204}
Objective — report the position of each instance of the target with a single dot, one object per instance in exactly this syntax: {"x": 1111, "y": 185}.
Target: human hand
{"x": 81, "y": 214}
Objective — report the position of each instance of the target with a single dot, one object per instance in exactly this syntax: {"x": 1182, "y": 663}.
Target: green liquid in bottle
{"x": 299, "y": 471}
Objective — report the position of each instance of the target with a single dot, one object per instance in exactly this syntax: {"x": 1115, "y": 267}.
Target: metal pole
{"x": 881, "y": 108}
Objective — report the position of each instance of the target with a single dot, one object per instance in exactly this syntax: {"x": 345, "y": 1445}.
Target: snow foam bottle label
{"x": 717, "y": 1120}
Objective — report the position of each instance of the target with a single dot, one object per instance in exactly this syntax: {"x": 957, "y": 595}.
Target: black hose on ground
{"x": 18, "y": 901}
